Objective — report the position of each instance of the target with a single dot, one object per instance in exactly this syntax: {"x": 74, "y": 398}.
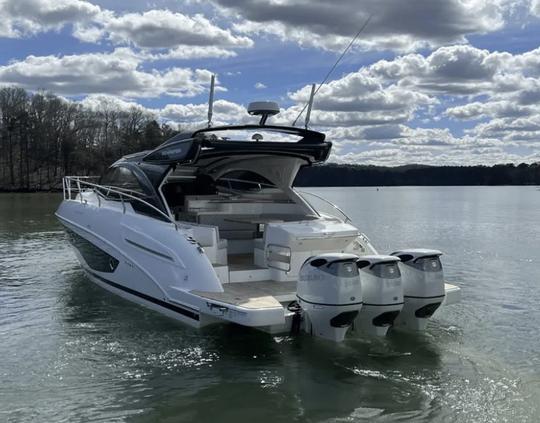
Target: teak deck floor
{"x": 259, "y": 294}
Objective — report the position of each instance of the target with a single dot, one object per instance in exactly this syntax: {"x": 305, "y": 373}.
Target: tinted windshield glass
{"x": 123, "y": 178}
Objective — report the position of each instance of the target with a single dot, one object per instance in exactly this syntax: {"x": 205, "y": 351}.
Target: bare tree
{"x": 43, "y": 137}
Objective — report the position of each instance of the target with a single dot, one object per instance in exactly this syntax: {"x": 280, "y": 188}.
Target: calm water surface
{"x": 70, "y": 351}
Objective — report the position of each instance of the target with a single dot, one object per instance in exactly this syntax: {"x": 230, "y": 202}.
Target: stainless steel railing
{"x": 76, "y": 185}
{"x": 343, "y": 216}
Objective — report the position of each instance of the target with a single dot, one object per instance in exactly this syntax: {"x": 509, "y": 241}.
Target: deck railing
{"x": 74, "y": 186}
{"x": 333, "y": 208}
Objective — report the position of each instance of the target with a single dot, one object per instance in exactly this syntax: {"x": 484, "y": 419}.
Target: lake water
{"x": 70, "y": 351}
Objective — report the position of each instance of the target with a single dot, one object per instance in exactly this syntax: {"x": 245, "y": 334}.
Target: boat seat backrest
{"x": 227, "y": 228}
{"x": 206, "y": 235}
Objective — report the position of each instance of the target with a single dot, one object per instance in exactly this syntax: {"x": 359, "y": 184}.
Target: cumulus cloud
{"x": 490, "y": 109}
{"x": 23, "y": 17}
{"x": 403, "y": 25}
{"x": 101, "y": 102}
{"x": 456, "y": 70}
{"x": 361, "y": 99}
{"x": 195, "y": 115}
{"x": 166, "y": 29}
{"x": 116, "y": 73}
{"x": 260, "y": 86}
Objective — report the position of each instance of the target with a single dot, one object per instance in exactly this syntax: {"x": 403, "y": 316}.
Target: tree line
{"x": 44, "y": 137}
{"x": 359, "y": 175}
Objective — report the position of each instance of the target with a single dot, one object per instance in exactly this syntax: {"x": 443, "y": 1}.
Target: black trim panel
{"x": 425, "y": 298}
{"x": 427, "y": 311}
{"x": 385, "y": 319}
{"x": 164, "y": 304}
{"x": 325, "y": 304}
{"x": 344, "y": 320}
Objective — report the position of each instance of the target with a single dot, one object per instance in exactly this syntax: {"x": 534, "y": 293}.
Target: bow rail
{"x": 74, "y": 186}
{"x": 341, "y": 215}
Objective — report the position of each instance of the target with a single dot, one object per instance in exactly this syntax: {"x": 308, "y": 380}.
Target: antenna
{"x": 335, "y": 65}
{"x": 264, "y": 109}
{"x": 310, "y": 104}
{"x": 211, "y": 100}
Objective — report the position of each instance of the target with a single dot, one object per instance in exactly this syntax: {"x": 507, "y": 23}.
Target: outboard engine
{"x": 330, "y": 294}
{"x": 382, "y": 292}
{"x": 423, "y": 286}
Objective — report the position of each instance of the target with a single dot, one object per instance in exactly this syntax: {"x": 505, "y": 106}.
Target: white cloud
{"x": 535, "y": 7}
{"x": 23, "y": 17}
{"x": 361, "y": 99}
{"x": 456, "y": 70}
{"x": 490, "y": 109}
{"x": 191, "y": 52}
{"x": 163, "y": 29}
{"x": 260, "y": 86}
{"x": 195, "y": 115}
{"x": 101, "y": 102}
{"x": 117, "y": 73}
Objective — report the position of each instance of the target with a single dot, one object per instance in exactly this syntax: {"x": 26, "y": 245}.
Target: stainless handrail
{"x": 347, "y": 218}
{"x": 95, "y": 187}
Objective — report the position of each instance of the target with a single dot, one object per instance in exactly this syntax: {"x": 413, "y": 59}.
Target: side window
{"x": 127, "y": 180}
{"x": 123, "y": 178}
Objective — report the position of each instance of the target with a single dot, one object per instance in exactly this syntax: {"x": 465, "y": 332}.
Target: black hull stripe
{"x": 325, "y": 304}
{"x": 425, "y": 298}
{"x": 164, "y": 304}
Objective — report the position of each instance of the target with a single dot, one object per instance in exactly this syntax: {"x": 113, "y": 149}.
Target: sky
{"x": 436, "y": 82}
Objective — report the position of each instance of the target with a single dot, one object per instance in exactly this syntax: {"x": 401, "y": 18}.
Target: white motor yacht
{"x": 207, "y": 228}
